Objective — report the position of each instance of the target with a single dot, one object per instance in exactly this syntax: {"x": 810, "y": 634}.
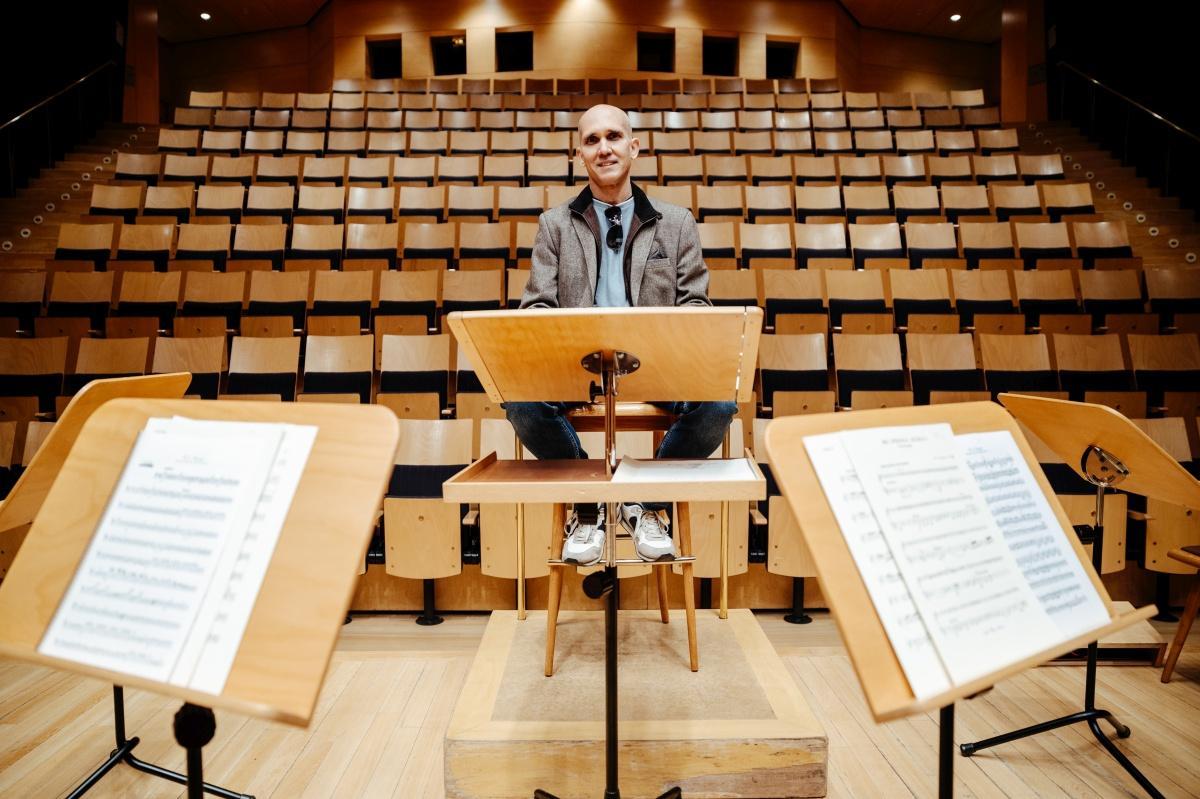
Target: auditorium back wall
{"x": 577, "y": 38}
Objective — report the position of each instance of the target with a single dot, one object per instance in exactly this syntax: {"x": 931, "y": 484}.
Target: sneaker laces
{"x": 653, "y": 527}
{"x": 583, "y": 532}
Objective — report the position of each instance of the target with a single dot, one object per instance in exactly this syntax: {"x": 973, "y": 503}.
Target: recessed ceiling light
{"x": 204, "y": 15}
{"x": 955, "y": 17}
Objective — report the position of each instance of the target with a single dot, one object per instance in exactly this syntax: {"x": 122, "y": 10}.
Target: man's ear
{"x": 634, "y": 147}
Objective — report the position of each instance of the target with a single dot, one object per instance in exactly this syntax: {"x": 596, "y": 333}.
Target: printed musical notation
{"x": 964, "y": 578}
{"x": 961, "y": 553}
{"x": 901, "y": 621}
{"x": 172, "y": 572}
{"x": 1033, "y": 533}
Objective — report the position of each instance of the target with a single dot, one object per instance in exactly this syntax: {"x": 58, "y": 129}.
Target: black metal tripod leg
{"x": 1124, "y": 761}
{"x": 175, "y": 776}
{"x": 969, "y": 749}
{"x": 122, "y": 752}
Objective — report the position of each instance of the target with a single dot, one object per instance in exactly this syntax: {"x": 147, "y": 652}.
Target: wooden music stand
{"x": 289, "y": 637}
{"x": 879, "y": 672}
{"x": 1106, "y": 449}
{"x": 536, "y": 355}
{"x": 690, "y": 354}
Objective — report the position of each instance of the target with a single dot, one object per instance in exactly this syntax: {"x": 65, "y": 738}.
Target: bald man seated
{"x": 611, "y": 247}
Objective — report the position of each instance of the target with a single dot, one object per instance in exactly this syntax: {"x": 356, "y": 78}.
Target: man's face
{"x": 606, "y": 145}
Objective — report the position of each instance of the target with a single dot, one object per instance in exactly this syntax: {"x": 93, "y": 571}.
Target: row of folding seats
{"x": 770, "y": 202}
{"x": 364, "y": 368}
{"x": 813, "y": 300}
{"x": 683, "y": 121}
{"x": 560, "y": 169}
{"x": 632, "y": 94}
{"x": 778, "y": 142}
{"x": 269, "y": 237}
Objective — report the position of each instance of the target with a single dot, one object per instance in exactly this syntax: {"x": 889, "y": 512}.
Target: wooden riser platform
{"x": 737, "y": 728}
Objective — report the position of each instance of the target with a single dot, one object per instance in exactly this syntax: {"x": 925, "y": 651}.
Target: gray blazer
{"x": 663, "y": 261}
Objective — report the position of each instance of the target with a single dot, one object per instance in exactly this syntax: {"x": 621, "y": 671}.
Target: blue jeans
{"x": 543, "y": 427}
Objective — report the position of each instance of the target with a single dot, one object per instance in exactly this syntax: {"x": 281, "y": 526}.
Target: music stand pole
{"x": 946, "y": 752}
{"x": 605, "y": 583}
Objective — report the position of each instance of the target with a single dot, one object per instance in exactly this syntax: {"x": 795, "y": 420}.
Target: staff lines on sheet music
{"x": 131, "y": 595}
{"x": 140, "y": 578}
{"x": 182, "y": 496}
{"x": 157, "y": 545}
{"x": 964, "y": 578}
{"x": 193, "y": 513}
{"x": 924, "y": 668}
{"x": 199, "y": 479}
{"x": 925, "y": 549}
{"x": 1033, "y": 533}
{"x": 159, "y": 529}
{"x": 919, "y": 480}
{"x": 125, "y": 632}
{"x": 179, "y": 566}
{"x": 112, "y": 653}
{"x": 134, "y": 617}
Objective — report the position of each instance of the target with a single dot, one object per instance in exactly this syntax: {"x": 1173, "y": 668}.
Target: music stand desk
{"x": 285, "y": 651}
{"x": 879, "y": 672}
{"x": 693, "y": 353}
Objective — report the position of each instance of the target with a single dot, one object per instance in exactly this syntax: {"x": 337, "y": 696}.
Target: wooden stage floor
{"x": 392, "y": 687}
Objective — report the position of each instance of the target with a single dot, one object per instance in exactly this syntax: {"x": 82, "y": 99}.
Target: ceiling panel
{"x": 980, "y": 18}
{"x": 179, "y": 20}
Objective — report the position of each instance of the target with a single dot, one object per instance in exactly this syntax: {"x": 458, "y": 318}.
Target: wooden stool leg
{"x": 663, "y": 608}
{"x": 689, "y": 596}
{"x": 554, "y": 595}
{"x": 1185, "y": 626}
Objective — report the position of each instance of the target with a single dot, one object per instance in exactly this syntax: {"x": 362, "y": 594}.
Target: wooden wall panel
{"x": 573, "y": 39}
{"x": 818, "y": 58}
{"x": 752, "y": 55}
{"x": 481, "y": 50}
{"x": 268, "y": 61}
{"x": 904, "y": 62}
{"x": 1014, "y": 60}
{"x": 320, "y": 51}
{"x": 689, "y": 50}
{"x": 141, "y": 63}
{"x": 847, "y": 50}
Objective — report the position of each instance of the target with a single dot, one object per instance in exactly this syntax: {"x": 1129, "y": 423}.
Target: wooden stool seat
{"x": 1191, "y": 556}
{"x": 684, "y": 542}
{"x": 629, "y": 416}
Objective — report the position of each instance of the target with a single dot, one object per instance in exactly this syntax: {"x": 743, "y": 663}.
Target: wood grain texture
{"x": 669, "y": 343}
{"x": 383, "y": 712}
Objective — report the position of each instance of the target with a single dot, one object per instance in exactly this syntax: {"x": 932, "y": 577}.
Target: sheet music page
{"x": 182, "y": 497}
{"x": 1033, "y": 532}
{"x": 965, "y": 582}
{"x": 632, "y": 470}
{"x": 221, "y": 621}
{"x": 902, "y": 622}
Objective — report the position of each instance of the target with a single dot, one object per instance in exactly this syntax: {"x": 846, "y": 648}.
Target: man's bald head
{"x": 606, "y": 116}
{"x": 607, "y": 149}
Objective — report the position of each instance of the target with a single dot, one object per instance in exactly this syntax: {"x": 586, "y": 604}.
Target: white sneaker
{"x": 584, "y": 542}
{"x": 650, "y": 531}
